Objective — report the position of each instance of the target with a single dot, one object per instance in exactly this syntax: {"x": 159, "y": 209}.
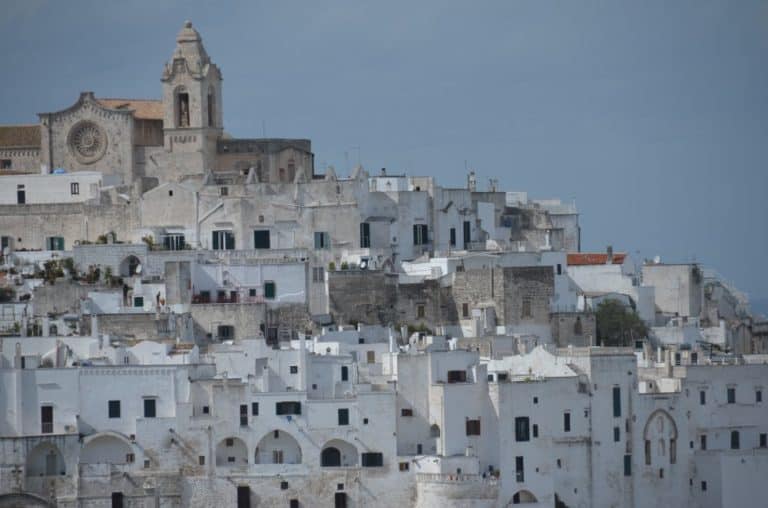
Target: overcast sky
{"x": 652, "y": 116}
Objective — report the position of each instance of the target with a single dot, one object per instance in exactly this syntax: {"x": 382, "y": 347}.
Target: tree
{"x": 618, "y": 325}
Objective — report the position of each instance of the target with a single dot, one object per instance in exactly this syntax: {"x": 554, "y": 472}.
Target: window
{"x": 677, "y": 359}
{"x": 406, "y": 412}
{"x": 473, "y": 427}
{"x": 318, "y": 274}
{"x": 261, "y": 239}
{"x": 457, "y": 376}
{"x": 222, "y": 240}
{"x": 288, "y": 408}
{"x": 344, "y": 373}
{"x": 225, "y": 332}
{"x": 174, "y": 242}
{"x": 372, "y": 459}
{"x": 559, "y": 269}
{"x": 74, "y": 188}
{"x": 243, "y": 415}
{"x": 627, "y": 465}
{"x": 206, "y": 410}
{"x": 647, "y": 452}
{"x": 703, "y": 486}
{"x": 211, "y": 109}
{"x": 672, "y": 451}
{"x": 201, "y": 460}
{"x": 420, "y": 234}
{"x": 370, "y": 356}
{"x": 130, "y": 458}
{"x": 420, "y": 311}
{"x": 616, "y": 402}
{"x": 522, "y": 428}
{"x": 702, "y": 397}
{"x": 223, "y": 191}
{"x": 465, "y": 310}
{"x": 466, "y": 231}
{"x": 293, "y": 503}
{"x": 453, "y": 237}
{"x": 54, "y": 243}
{"x": 703, "y": 441}
{"x": 734, "y": 440}
{"x": 21, "y": 195}
{"x": 763, "y": 440}
{"x": 252, "y": 293}
{"x": 519, "y": 469}
{"x": 270, "y": 290}
{"x": 731, "y": 395}
{"x": 566, "y": 422}
{"x": 526, "y": 311}
{"x": 138, "y": 301}
{"x": 114, "y": 408}
{"x": 254, "y": 408}
{"x": 343, "y": 414}
{"x": 758, "y": 396}
{"x": 535, "y": 400}
{"x": 150, "y": 408}
{"x": 322, "y": 240}
{"x": 694, "y": 358}
{"x": 5, "y": 163}
{"x": 229, "y": 442}
{"x": 404, "y": 466}
{"x": 616, "y": 434}
{"x": 365, "y": 235}
{"x": 46, "y": 419}
{"x": 535, "y": 430}
{"x": 117, "y": 500}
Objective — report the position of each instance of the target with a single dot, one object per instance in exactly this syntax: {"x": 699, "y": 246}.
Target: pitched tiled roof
{"x": 19, "y": 135}
{"x": 594, "y": 258}
{"x": 143, "y": 109}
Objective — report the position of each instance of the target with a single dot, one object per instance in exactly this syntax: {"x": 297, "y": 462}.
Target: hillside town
{"x": 193, "y": 319}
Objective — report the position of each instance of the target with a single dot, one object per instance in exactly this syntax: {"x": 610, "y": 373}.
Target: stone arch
{"x": 278, "y": 447}
{"x": 129, "y": 265}
{"x": 523, "y": 497}
{"x": 338, "y": 453}
{"x": 106, "y": 448}
{"x": 232, "y": 452}
{"x": 45, "y": 459}
{"x": 660, "y": 437}
{"x": 23, "y": 499}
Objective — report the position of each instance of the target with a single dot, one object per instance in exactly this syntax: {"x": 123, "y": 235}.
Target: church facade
{"x": 178, "y": 137}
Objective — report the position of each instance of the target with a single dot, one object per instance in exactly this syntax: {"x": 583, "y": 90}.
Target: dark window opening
{"x": 703, "y": 441}
{"x": 117, "y": 500}
{"x": 627, "y": 465}
{"x": 340, "y": 500}
{"x": 420, "y": 234}
{"x": 270, "y": 290}
{"x": 182, "y": 115}
{"x": 519, "y": 470}
{"x": 616, "y": 401}
{"x": 372, "y": 459}
{"x": 406, "y": 412}
{"x": 322, "y": 240}
{"x": 453, "y": 237}
{"x": 527, "y": 310}
{"x": 243, "y": 415}
{"x": 472, "y": 427}
{"x": 731, "y": 395}
{"x": 734, "y": 440}
{"x": 74, "y": 188}
{"x": 466, "y": 234}
{"x": 365, "y": 235}
{"x": 243, "y": 496}
{"x": 616, "y": 434}
{"x": 222, "y": 240}
{"x": 150, "y": 408}
{"x": 522, "y": 425}
{"x": 288, "y": 408}
{"x": 114, "y": 408}
{"x": 344, "y": 373}
{"x": 46, "y": 419}
{"x": 457, "y": 376}
{"x": 465, "y": 310}
{"x": 702, "y": 397}
{"x": 535, "y": 430}
{"x": 566, "y": 422}
{"x": 254, "y": 408}
{"x": 343, "y": 416}
{"x": 261, "y": 239}
{"x": 763, "y": 440}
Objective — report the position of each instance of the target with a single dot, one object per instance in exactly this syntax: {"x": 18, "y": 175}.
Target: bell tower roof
{"x": 189, "y": 54}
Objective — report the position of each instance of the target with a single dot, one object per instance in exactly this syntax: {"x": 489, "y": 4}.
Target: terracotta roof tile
{"x": 594, "y": 258}
{"x": 143, "y": 109}
{"x": 19, "y": 135}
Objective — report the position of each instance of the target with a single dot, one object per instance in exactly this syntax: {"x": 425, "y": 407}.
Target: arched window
{"x": 330, "y": 457}
{"x": 182, "y": 108}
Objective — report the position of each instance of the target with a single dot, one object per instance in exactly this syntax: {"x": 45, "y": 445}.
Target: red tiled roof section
{"x": 594, "y": 258}
{"x": 143, "y": 109}
{"x": 19, "y": 136}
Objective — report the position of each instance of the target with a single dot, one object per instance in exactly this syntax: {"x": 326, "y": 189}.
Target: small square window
{"x": 406, "y": 412}
{"x": 229, "y": 442}
{"x": 206, "y": 410}
{"x": 252, "y": 292}
{"x": 535, "y": 400}
{"x": 130, "y": 458}
{"x": 170, "y": 193}
{"x": 339, "y": 486}
{"x": 294, "y": 369}
{"x": 365, "y": 421}
{"x": 404, "y": 466}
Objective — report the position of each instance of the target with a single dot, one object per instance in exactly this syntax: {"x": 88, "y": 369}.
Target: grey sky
{"x": 653, "y": 116}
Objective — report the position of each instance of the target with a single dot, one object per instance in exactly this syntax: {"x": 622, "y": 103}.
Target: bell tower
{"x": 192, "y": 118}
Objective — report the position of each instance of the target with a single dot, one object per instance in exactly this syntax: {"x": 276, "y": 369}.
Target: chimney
{"x": 609, "y": 250}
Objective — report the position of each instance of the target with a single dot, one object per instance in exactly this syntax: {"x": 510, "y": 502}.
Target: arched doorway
{"x": 523, "y": 497}
{"x": 231, "y": 452}
{"x": 338, "y": 453}
{"x": 278, "y": 447}
{"x": 23, "y": 500}
{"x": 45, "y": 459}
{"x": 106, "y": 449}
